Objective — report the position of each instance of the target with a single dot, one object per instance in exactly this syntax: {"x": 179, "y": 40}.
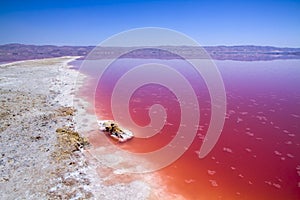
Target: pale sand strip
{"x": 36, "y": 162}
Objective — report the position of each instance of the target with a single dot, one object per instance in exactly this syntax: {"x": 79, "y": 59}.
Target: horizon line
{"x": 220, "y": 45}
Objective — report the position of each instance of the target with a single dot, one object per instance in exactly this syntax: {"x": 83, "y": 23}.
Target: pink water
{"x": 257, "y": 155}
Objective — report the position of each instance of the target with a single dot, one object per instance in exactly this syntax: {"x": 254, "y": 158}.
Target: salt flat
{"x": 38, "y": 160}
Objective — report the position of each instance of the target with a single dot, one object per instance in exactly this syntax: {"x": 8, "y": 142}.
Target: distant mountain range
{"x": 14, "y": 52}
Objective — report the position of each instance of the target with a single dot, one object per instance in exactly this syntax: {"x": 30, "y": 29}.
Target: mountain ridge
{"x": 16, "y": 51}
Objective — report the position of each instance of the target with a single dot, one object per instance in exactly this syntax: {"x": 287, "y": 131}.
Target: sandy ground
{"x": 44, "y": 152}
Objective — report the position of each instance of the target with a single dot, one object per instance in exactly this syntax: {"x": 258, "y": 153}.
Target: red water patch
{"x": 256, "y": 156}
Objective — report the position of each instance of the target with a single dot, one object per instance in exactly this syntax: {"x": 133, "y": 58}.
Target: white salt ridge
{"x": 248, "y": 149}
{"x": 136, "y": 100}
{"x": 290, "y": 155}
{"x": 213, "y": 183}
{"x": 250, "y": 134}
{"x": 261, "y": 118}
{"x": 226, "y": 149}
{"x": 134, "y": 110}
{"x": 227, "y": 116}
{"x": 188, "y": 181}
{"x": 277, "y": 185}
{"x": 286, "y": 131}
{"x": 277, "y": 153}
{"x": 268, "y": 182}
{"x": 239, "y": 120}
{"x": 288, "y": 142}
{"x": 169, "y": 124}
{"x": 201, "y": 136}
{"x": 120, "y": 171}
{"x": 200, "y": 128}
{"x": 211, "y": 172}
{"x": 291, "y": 135}
{"x": 231, "y": 112}
{"x": 279, "y": 179}
{"x": 296, "y": 116}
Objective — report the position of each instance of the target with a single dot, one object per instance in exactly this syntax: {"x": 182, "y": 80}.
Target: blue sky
{"x": 274, "y": 23}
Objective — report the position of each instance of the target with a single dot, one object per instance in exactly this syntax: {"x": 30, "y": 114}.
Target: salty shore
{"x": 44, "y": 133}
{"x": 41, "y": 154}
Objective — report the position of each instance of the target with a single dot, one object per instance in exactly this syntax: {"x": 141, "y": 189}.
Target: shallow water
{"x": 257, "y": 155}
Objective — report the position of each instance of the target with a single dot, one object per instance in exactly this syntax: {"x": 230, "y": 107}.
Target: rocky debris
{"x": 65, "y": 111}
{"x": 69, "y": 141}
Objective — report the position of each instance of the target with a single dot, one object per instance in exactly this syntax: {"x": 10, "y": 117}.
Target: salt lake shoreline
{"x": 44, "y": 127}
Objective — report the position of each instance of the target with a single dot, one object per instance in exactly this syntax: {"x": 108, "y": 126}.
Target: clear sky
{"x": 274, "y": 22}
